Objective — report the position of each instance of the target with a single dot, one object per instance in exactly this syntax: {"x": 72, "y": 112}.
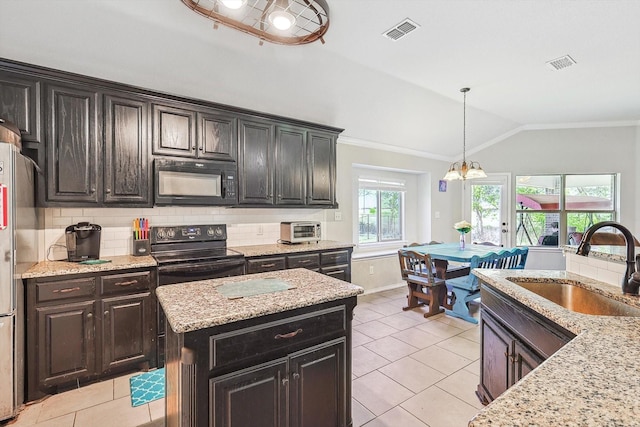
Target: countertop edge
{"x": 63, "y": 268}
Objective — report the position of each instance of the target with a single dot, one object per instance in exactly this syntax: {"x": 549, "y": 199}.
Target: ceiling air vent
{"x": 401, "y": 30}
{"x": 560, "y": 63}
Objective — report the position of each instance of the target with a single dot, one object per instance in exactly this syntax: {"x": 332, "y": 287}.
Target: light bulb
{"x": 282, "y": 20}
{"x": 233, "y": 4}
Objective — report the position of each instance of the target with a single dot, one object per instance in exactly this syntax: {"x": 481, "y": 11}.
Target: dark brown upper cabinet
{"x": 290, "y": 165}
{"x": 217, "y": 135}
{"x": 321, "y": 170}
{"x": 255, "y": 162}
{"x": 20, "y": 104}
{"x": 174, "y": 131}
{"x": 127, "y": 175}
{"x": 73, "y": 144}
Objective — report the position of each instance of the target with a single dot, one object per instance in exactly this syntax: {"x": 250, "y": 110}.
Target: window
{"x": 554, "y": 210}
{"x": 380, "y": 210}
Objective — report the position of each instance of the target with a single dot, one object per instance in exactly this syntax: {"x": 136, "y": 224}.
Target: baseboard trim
{"x": 384, "y": 288}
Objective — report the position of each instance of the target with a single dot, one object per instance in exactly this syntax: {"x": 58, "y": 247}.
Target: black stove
{"x": 193, "y": 252}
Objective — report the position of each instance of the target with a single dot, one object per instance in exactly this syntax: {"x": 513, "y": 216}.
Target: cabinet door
{"x": 254, "y": 397}
{"x": 65, "y": 343}
{"x": 495, "y": 352}
{"x": 73, "y": 144}
{"x": 20, "y": 104}
{"x": 321, "y": 176}
{"x": 342, "y": 272}
{"x": 255, "y": 165}
{"x": 128, "y": 330}
{"x": 524, "y": 360}
{"x": 174, "y": 131}
{"x": 317, "y": 387}
{"x": 217, "y": 135}
{"x": 126, "y": 164}
{"x": 290, "y": 166}
{"x": 264, "y": 264}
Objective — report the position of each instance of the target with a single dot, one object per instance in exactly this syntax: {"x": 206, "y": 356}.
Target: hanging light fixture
{"x": 464, "y": 170}
{"x": 287, "y": 22}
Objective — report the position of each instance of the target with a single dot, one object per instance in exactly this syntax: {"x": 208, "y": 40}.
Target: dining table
{"x": 442, "y": 253}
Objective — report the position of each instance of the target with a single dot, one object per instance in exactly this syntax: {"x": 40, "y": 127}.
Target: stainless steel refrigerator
{"x": 18, "y": 252}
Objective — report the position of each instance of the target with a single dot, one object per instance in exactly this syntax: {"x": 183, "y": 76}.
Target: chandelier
{"x": 288, "y": 22}
{"x": 464, "y": 170}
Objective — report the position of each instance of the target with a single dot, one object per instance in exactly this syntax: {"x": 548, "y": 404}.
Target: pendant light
{"x": 464, "y": 170}
{"x": 233, "y": 4}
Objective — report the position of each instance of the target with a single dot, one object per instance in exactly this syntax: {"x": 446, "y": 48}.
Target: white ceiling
{"x": 403, "y": 94}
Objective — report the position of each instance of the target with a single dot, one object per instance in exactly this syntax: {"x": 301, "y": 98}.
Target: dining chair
{"x": 423, "y": 285}
{"x": 452, "y": 270}
{"x": 466, "y": 289}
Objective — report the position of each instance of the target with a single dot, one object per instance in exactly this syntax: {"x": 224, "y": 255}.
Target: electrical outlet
{"x": 371, "y": 269}
{"x": 337, "y": 216}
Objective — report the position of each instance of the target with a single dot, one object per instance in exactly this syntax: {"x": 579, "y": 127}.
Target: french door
{"x": 486, "y": 202}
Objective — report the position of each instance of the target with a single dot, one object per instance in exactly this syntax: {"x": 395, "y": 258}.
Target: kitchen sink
{"x": 579, "y": 299}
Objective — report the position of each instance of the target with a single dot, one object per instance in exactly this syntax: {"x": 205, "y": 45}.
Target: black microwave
{"x": 195, "y": 182}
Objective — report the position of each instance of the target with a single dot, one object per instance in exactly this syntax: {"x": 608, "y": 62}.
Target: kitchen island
{"x": 263, "y": 359}
{"x": 593, "y": 380}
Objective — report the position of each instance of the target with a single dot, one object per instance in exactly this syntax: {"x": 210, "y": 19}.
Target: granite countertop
{"x": 197, "y": 305}
{"x": 61, "y": 268}
{"x": 594, "y": 380}
{"x": 281, "y": 248}
{"x": 604, "y": 252}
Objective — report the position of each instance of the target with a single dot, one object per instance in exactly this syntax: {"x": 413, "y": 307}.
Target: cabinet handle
{"x": 304, "y": 261}
{"x": 93, "y": 190}
{"x": 106, "y": 313}
{"x": 89, "y": 316}
{"x": 285, "y": 381}
{"x": 268, "y": 265}
{"x": 193, "y": 147}
{"x": 289, "y": 335}
{"x": 201, "y": 149}
{"x": 296, "y": 375}
{"x": 108, "y": 191}
{"x": 130, "y": 282}
{"x": 66, "y": 290}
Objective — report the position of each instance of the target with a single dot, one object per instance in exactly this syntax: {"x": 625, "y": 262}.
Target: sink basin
{"x": 578, "y": 299}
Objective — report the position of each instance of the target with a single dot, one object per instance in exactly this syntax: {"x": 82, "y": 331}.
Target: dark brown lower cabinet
{"x": 515, "y": 340}
{"x": 335, "y": 262}
{"x": 83, "y": 328}
{"x": 290, "y": 369}
{"x": 65, "y": 342}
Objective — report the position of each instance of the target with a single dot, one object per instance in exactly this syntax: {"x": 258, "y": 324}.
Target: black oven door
{"x": 203, "y": 270}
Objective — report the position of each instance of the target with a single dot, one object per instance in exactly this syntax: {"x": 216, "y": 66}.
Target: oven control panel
{"x": 188, "y": 233}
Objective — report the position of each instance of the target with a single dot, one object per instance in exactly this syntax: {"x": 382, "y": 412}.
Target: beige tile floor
{"x": 408, "y": 371}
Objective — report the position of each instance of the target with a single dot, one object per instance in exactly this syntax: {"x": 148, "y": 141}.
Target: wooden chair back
{"x": 415, "y": 264}
{"x": 514, "y": 258}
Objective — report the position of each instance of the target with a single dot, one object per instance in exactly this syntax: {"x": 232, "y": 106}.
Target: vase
{"x": 462, "y": 241}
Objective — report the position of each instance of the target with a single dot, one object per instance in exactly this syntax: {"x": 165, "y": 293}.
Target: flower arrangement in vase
{"x": 463, "y": 227}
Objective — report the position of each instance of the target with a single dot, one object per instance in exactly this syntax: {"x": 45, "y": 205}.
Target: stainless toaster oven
{"x": 299, "y": 232}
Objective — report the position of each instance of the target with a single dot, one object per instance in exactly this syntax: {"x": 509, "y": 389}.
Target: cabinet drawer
{"x": 303, "y": 261}
{"x": 73, "y": 288}
{"x": 334, "y": 258}
{"x": 249, "y": 343}
{"x": 260, "y": 265}
{"x": 125, "y": 283}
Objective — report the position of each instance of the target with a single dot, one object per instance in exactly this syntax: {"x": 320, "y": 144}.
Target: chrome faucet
{"x": 631, "y": 279}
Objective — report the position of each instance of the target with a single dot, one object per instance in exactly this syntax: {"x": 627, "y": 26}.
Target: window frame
{"x": 379, "y": 185}
{"x": 562, "y": 211}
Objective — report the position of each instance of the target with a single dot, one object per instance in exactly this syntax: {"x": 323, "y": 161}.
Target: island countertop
{"x": 61, "y": 268}
{"x": 594, "y": 380}
{"x": 197, "y": 305}
{"x": 281, "y": 248}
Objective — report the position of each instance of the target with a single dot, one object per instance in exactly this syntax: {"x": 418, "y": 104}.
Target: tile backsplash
{"x": 244, "y": 226}
{"x": 605, "y": 271}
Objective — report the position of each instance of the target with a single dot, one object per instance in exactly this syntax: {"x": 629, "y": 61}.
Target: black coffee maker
{"x": 83, "y": 241}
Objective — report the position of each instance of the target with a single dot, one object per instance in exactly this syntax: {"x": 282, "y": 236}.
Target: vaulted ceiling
{"x": 402, "y": 93}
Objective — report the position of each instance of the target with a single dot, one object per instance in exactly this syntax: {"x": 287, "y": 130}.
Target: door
{"x": 486, "y": 203}
{"x": 126, "y": 163}
{"x": 20, "y": 104}
{"x": 290, "y": 166}
{"x": 317, "y": 390}
{"x": 127, "y": 330}
{"x": 255, "y": 163}
{"x": 321, "y": 179}
{"x": 254, "y": 397}
{"x": 495, "y": 362}
{"x": 174, "y": 131}
{"x": 217, "y": 135}
{"x": 65, "y": 343}
{"x": 524, "y": 360}
{"x": 74, "y": 145}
